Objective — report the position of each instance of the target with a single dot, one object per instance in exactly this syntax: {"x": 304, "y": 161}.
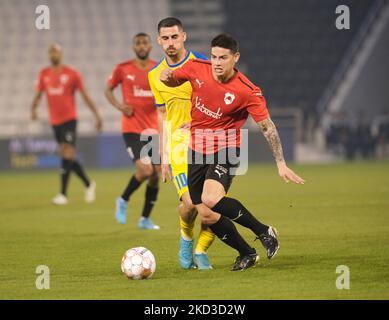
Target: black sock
{"x": 150, "y": 198}
{"x": 226, "y": 231}
{"x": 131, "y": 187}
{"x": 66, "y": 166}
{"x": 77, "y": 168}
{"x": 237, "y": 212}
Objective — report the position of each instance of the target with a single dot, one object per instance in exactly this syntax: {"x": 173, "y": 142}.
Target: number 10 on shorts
{"x": 181, "y": 180}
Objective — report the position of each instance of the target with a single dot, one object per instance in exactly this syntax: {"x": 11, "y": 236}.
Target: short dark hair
{"x": 226, "y": 41}
{"x": 170, "y": 22}
{"x": 141, "y": 34}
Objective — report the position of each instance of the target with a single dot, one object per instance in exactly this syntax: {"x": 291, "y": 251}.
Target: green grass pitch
{"x": 340, "y": 217}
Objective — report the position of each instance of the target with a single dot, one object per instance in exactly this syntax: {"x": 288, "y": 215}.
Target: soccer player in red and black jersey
{"x": 222, "y": 99}
{"x": 139, "y": 122}
{"x": 60, "y": 82}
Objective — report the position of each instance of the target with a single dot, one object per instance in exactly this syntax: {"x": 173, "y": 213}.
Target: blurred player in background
{"x": 174, "y": 107}
{"x": 221, "y": 104}
{"x": 139, "y": 117}
{"x": 60, "y": 83}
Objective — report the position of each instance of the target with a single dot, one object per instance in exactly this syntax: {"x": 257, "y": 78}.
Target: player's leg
{"x": 151, "y": 196}
{"x": 214, "y": 197}
{"x": 64, "y": 137}
{"x": 188, "y": 215}
{"x": 68, "y": 152}
{"x": 143, "y": 170}
{"x": 226, "y": 231}
{"x": 220, "y": 225}
{"x": 66, "y": 169}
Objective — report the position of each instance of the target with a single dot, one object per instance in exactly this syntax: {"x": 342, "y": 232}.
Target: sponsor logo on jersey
{"x": 200, "y": 106}
{"x": 139, "y": 92}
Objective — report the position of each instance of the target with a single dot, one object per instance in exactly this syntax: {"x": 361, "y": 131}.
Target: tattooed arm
{"x": 270, "y": 132}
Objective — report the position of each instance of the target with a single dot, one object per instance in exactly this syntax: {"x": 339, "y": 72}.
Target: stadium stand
{"x": 94, "y": 34}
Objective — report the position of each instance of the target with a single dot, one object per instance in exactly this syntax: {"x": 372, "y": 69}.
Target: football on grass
{"x": 138, "y": 263}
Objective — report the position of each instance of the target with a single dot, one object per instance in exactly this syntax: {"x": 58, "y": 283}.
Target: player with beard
{"x": 220, "y": 107}
{"x": 60, "y": 83}
{"x": 139, "y": 125}
{"x": 174, "y": 107}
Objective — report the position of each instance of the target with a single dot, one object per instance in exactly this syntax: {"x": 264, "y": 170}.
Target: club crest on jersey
{"x": 64, "y": 78}
{"x": 229, "y": 98}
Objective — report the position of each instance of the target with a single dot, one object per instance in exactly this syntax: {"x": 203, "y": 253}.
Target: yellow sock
{"x": 205, "y": 240}
{"x": 186, "y": 229}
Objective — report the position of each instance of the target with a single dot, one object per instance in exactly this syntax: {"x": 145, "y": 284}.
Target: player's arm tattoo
{"x": 270, "y": 132}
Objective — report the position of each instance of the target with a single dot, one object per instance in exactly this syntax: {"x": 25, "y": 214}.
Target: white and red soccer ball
{"x": 138, "y": 263}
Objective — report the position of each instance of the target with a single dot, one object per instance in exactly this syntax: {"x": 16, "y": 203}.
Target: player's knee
{"x": 188, "y": 215}
{"x": 154, "y": 180}
{"x": 189, "y": 206}
{"x": 209, "y": 200}
{"x": 67, "y": 152}
{"x": 145, "y": 171}
{"x": 208, "y": 217}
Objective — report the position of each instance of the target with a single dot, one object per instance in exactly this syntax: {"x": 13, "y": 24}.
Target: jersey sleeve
{"x": 185, "y": 72}
{"x": 79, "y": 83}
{"x": 256, "y": 105}
{"x": 39, "y": 83}
{"x": 158, "y": 100}
{"x": 115, "y": 78}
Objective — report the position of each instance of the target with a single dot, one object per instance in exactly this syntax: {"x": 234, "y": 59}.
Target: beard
{"x": 55, "y": 62}
{"x": 171, "y": 52}
{"x": 142, "y": 55}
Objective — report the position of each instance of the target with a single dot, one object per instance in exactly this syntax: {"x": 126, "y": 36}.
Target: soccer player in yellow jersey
{"x": 174, "y": 110}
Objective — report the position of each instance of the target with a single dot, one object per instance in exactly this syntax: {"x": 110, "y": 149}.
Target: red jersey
{"x": 60, "y": 87}
{"x": 219, "y": 110}
{"x": 136, "y": 93}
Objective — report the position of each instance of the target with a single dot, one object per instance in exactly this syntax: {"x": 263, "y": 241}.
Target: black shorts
{"x": 136, "y": 147}
{"x": 220, "y": 166}
{"x": 66, "y": 132}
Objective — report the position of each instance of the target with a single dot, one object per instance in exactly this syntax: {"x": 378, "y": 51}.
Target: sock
{"x": 226, "y": 231}
{"x": 131, "y": 187}
{"x": 205, "y": 240}
{"x": 186, "y": 229}
{"x": 151, "y": 198}
{"x": 77, "y": 168}
{"x": 66, "y": 166}
{"x": 237, "y": 212}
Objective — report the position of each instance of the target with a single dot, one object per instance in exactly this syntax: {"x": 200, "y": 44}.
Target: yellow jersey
{"x": 177, "y": 100}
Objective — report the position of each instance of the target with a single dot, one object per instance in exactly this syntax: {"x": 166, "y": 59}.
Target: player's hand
{"x": 288, "y": 174}
{"x": 167, "y": 78}
{"x": 165, "y": 172}
{"x": 34, "y": 115}
{"x": 99, "y": 124}
{"x": 127, "y": 110}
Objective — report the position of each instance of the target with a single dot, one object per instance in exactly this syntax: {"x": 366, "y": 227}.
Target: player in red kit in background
{"x": 139, "y": 119}
{"x": 222, "y": 99}
{"x": 60, "y": 83}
